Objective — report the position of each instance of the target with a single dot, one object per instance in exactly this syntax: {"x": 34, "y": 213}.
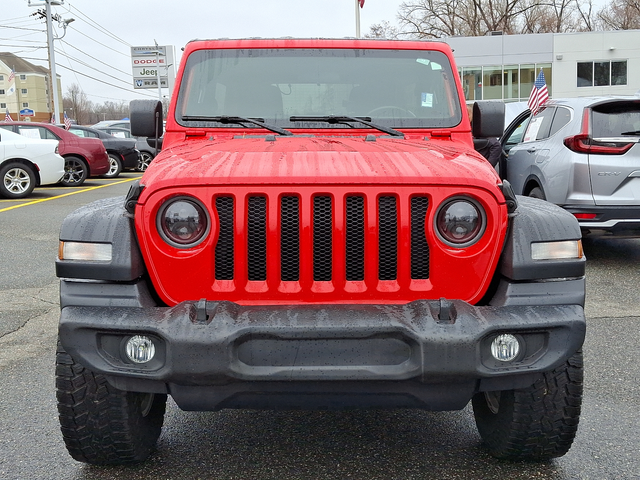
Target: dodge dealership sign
{"x": 150, "y": 62}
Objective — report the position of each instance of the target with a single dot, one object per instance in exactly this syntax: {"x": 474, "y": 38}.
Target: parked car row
{"x": 122, "y": 128}
{"x": 85, "y": 152}
{"x": 582, "y": 154}
{"x": 26, "y": 163}
{"x": 84, "y": 157}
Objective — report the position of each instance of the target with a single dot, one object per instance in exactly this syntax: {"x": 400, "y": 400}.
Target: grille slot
{"x": 257, "y": 239}
{"x": 322, "y": 238}
{"x": 224, "y": 247}
{"x": 388, "y": 238}
{"x": 355, "y": 239}
{"x": 290, "y": 239}
{"x": 293, "y": 244}
{"x": 419, "y": 245}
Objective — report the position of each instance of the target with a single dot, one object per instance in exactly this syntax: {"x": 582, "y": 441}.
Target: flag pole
{"x": 357, "y": 18}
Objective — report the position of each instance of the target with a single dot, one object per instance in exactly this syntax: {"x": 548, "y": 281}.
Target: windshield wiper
{"x": 345, "y": 119}
{"x": 237, "y": 120}
{"x": 635, "y": 132}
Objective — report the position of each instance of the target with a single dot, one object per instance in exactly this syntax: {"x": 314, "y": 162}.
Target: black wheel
{"x": 75, "y": 172}
{"x": 537, "y": 193}
{"x": 18, "y": 180}
{"x": 145, "y": 160}
{"x": 534, "y": 423}
{"x": 100, "y": 424}
{"x": 115, "y": 166}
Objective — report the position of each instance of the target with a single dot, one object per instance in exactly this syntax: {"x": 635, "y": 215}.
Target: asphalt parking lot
{"x": 360, "y": 444}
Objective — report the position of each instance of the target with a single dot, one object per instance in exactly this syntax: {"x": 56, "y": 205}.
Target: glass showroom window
{"x": 472, "y": 83}
{"x": 511, "y": 82}
{"x": 602, "y": 74}
{"x": 492, "y": 83}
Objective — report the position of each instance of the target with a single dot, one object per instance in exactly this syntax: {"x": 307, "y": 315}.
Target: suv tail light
{"x": 584, "y": 143}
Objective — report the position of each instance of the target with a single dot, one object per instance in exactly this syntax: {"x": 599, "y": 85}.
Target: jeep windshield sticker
{"x": 427, "y": 100}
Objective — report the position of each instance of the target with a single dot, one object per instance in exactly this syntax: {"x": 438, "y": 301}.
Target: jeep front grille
{"x": 307, "y": 229}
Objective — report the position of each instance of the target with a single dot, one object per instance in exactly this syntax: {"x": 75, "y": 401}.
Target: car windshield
{"x": 392, "y": 88}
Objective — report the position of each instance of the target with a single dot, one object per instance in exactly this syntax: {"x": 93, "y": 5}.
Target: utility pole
{"x": 50, "y": 38}
{"x": 52, "y": 58}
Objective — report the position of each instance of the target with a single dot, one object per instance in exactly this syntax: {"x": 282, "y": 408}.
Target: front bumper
{"x": 425, "y": 354}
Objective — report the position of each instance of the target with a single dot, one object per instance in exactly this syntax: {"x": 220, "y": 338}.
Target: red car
{"x": 318, "y": 232}
{"x": 84, "y": 157}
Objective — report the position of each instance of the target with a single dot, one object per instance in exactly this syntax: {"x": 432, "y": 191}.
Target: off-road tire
{"x": 534, "y": 423}
{"x": 102, "y": 425}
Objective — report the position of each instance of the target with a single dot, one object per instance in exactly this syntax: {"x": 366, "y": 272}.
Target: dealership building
{"x": 582, "y": 64}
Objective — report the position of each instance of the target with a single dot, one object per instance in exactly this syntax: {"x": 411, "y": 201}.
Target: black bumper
{"x": 617, "y": 220}
{"x": 426, "y": 354}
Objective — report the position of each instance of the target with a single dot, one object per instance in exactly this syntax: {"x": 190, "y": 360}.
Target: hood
{"x": 318, "y": 160}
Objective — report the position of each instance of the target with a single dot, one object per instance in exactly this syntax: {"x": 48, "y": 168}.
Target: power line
{"x": 96, "y": 59}
{"x": 97, "y": 26}
{"x": 64, "y": 54}
{"x": 96, "y": 79}
{"x": 100, "y": 43}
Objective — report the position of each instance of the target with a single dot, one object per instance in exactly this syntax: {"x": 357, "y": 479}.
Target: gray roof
{"x": 21, "y": 66}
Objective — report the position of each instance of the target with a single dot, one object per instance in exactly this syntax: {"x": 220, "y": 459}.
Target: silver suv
{"x": 582, "y": 154}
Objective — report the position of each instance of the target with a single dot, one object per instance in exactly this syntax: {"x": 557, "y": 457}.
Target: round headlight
{"x": 183, "y": 222}
{"x": 460, "y": 222}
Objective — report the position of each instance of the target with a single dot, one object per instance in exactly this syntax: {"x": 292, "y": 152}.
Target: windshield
{"x": 394, "y": 88}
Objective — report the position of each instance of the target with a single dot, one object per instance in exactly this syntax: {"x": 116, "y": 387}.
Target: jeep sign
{"x": 145, "y": 62}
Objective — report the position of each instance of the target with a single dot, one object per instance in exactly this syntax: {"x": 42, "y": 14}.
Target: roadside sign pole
{"x": 158, "y": 71}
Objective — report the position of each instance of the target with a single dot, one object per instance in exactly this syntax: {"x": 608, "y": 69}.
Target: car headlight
{"x": 183, "y": 222}
{"x": 460, "y": 222}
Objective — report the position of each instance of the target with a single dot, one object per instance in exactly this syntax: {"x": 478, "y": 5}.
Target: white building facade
{"x": 574, "y": 64}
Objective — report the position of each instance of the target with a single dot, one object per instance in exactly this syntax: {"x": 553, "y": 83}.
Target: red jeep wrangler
{"x": 318, "y": 232}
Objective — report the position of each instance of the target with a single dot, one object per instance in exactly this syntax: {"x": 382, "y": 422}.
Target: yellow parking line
{"x": 67, "y": 194}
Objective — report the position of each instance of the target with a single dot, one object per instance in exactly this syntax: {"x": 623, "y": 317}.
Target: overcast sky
{"x": 97, "y": 44}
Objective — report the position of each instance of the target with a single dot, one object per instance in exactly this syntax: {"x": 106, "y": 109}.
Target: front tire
{"x": 18, "y": 180}
{"x": 534, "y": 423}
{"x": 115, "y": 166}
{"x": 100, "y": 424}
{"x": 537, "y": 193}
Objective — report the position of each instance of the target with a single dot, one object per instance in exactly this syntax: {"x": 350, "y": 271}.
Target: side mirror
{"x": 146, "y": 118}
{"x": 488, "y": 119}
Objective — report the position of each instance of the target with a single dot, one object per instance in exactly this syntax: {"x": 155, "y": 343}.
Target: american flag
{"x": 7, "y": 116}
{"x": 539, "y": 94}
{"x": 53, "y": 118}
{"x": 12, "y": 75}
{"x": 67, "y": 121}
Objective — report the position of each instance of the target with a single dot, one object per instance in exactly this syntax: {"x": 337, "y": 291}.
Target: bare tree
{"x": 443, "y": 18}
{"x": 620, "y": 15}
{"x": 383, "y": 29}
{"x": 76, "y": 101}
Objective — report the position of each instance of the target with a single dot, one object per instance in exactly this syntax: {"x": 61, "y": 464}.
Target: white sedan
{"x": 26, "y": 163}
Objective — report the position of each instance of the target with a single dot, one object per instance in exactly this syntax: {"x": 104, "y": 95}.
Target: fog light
{"x": 505, "y": 347}
{"x": 140, "y": 349}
